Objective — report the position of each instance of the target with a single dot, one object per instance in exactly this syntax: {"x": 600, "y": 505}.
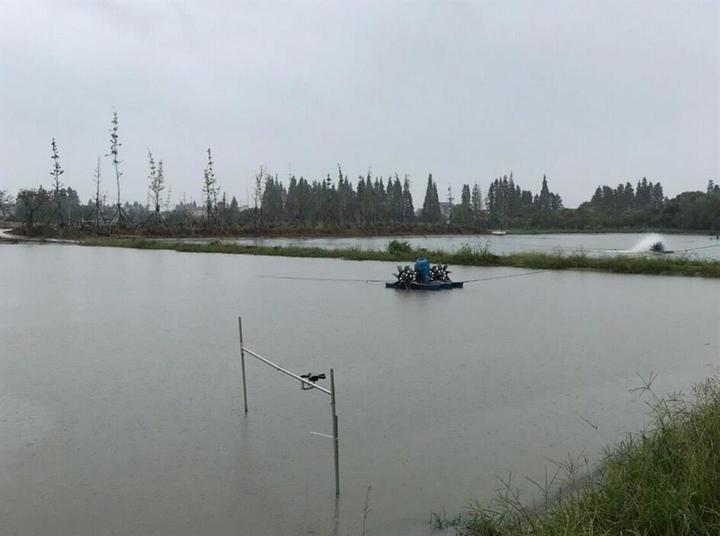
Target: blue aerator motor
{"x": 422, "y": 268}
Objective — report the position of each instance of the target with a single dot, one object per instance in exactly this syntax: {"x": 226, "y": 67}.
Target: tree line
{"x": 370, "y": 202}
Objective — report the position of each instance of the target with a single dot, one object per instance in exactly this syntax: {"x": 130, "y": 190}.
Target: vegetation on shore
{"x": 399, "y": 251}
{"x": 663, "y": 481}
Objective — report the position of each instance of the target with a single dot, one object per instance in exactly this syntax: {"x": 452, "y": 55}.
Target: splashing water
{"x": 646, "y": 242}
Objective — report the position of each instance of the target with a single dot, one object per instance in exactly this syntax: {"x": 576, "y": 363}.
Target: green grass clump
{"x": 465, "y": 256}
{"x": 399, "y": 246}
{"x": 663, "y": 482}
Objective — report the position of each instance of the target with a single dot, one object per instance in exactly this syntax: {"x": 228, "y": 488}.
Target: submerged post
{"x": 242, "y": 363}
{"x": 336, "y": 453}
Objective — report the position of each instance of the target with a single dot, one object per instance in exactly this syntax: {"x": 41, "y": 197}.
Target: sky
{"x": 584, "y": 92}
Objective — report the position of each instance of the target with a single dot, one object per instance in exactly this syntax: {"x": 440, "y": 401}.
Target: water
{"x": 699, "y": 246}
{"x": 121, "y": 401}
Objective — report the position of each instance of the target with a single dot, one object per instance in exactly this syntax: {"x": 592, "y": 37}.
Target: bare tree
{"x": 55, "y": 171}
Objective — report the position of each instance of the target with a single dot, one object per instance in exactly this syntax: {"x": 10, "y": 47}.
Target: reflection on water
{"x": 122, "y": 399}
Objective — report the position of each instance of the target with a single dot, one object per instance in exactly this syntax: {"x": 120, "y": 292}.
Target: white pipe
{"x": 284, "y": 371}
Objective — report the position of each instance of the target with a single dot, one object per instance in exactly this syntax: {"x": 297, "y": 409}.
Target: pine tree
{"x": 462, "y": 213}
{"x": 658, "y": 197}
{"x": 292, "y": 208}
{"x": 408, "y": 209}
{"x": 476, "y": 202}
{"x": 395, "y": 199}
{"x": 380, "y": 208}
{"x": 465, "y": 196}
{"x": 544, "y": 202}
{"x": 431, "y": 206}
{"x": 234, "y": 212}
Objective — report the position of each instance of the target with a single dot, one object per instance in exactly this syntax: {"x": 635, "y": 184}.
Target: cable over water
{"x": 507, "y": 276}
{"x": 695, "y": 249}
{"x": 338, "y": 279}
{"x": 321, "y": 279}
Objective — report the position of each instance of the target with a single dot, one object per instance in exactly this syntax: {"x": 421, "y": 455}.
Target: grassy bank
{"x": 663, "y": 482}
{"x": 626, "y": 264}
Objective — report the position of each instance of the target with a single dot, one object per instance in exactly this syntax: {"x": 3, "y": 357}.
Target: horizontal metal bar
{"x": 322, "y": 435}
{"x": 284, "y": 371}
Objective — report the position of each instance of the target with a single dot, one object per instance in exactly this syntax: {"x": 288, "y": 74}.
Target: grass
{"x": 665, "y": 481}
{"x": 466, "y": 256}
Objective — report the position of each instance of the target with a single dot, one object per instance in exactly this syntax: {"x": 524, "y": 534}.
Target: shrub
{"x": 399, "y": 247}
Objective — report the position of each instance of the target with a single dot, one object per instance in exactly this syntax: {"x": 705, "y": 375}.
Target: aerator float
{"x": 424, "y": 277}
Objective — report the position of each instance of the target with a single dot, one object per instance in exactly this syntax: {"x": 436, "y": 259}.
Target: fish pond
{"x": 121, "y": 407}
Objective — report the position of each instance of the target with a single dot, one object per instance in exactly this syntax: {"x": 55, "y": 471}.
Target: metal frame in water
{"x": 307, "y": 385}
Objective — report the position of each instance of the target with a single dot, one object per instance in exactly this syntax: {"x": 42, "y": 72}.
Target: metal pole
{"x": 336, "y": 441}
{"x": 242, "y": 363}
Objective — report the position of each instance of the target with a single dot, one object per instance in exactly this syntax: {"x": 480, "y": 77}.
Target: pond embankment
{"x": 652, "y": 264}
{"x": 663, "y": 481}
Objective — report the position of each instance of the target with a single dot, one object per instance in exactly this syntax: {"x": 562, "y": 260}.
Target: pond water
{"x": 699, "y": 246}
{"x": 121, "y": 393}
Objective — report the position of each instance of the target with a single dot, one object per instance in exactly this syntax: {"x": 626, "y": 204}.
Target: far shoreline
{"x": 308, "y": 233}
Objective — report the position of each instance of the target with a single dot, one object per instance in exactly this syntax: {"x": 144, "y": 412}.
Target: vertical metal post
{"x": 336, "y": 441}
{"x": 242, "y": 363}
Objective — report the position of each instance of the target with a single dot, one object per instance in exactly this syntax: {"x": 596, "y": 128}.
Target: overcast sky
{"x": 585, "y": 92}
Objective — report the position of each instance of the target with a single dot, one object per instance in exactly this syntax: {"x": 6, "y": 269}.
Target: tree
{"x": 210, "y": 188}
{"x": 658, "y": 197}
{"x": 544, "y": 201}
{"x": 292, "y": 202}
{"x": 395, "y": 199}
{"x": 465, "y": 195}
{"x": 29, "y": 203}
{"x": 431, "y": 206}
{"x": 408, "y": 209}
{"x": 233, "y": 212}
{"x": 55, "y": 171}
{"x": 476, "y": 202}
{"x": 462, "y": 214}
{"x": 156, "y": 186}
{"x": 97, "y": 211}
{"x": 273, "y": 199}
{"x": 6, "y": 204}
{"x": 258, "y": 195}
{"x": 114, "y": 153}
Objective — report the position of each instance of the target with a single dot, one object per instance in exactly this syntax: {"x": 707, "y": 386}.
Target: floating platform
{"x": 432, "y": 285}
